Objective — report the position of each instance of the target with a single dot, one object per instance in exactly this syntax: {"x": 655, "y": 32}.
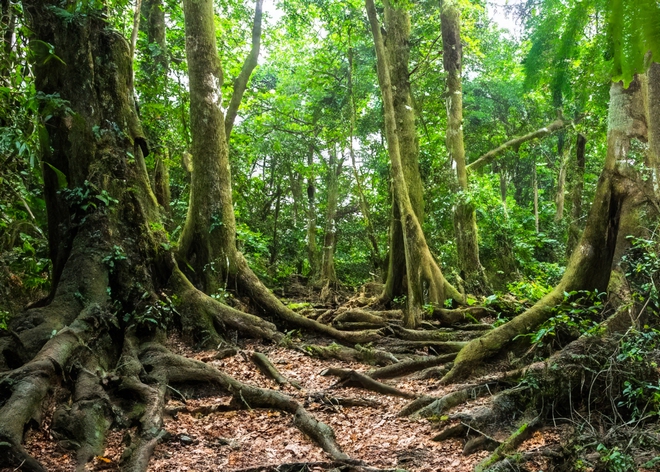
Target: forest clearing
{"x": 329, "y": 235}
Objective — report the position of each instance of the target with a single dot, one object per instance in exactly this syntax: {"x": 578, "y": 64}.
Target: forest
{"x": 329, "y": 235}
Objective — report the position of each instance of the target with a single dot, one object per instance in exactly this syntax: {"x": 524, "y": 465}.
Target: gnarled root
{"x": 352, "y": 378}
{"x": 23, "y": 391}
{"x": 347, "y": 354}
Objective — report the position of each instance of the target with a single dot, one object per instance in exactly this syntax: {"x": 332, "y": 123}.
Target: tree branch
{"x": 240, "y": 84}
{"x": 515, "y": 143}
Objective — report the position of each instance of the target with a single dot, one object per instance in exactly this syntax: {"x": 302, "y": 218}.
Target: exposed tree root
{"x": 436, "y": 406}
{"x": 511, "y": 444}
{"x": 23, "y": 391}
{"x": 267, "y": 368}
{"x": 409, "y": 366}
{"x": 356, "y": 315}
{"x": 342, "y": 401}
{"x": 307, "y": 466}
{"x": 352, "y": 378}
{"x": 201, "y": 314}
{"x": 480, "y": 443}
{"x": 250, "y": 285}
{"x": 461, "y": 315}
{"x": 360, "y": 325}
{"x": 439, "y": 347}
{"x": 182, "y": 370}
{"x": 347, "y": 354}
{"x": 440, "y": 335}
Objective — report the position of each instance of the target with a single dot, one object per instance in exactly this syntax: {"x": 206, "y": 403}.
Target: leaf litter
{"x": 231, "y": 440}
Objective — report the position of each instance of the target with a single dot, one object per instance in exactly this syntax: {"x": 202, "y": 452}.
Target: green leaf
{"x": 61, "y": 178}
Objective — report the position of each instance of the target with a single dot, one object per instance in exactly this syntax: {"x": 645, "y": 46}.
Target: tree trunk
{"x": 7, "y": 26}
{"x": 561, "y": 183}
{"x": 535, "y": 184}
{"x": 376, "y": 259}
{"x": 274, "y": 248}
{"x": 426, "y": 284}
{"x": 591, "y": 263}
{"x": 576, "y": 196}
{"x": 397, "y": 46}
{"x": 653, "y": 112}
{"x": 328, "y": 279}
{"x": 208, "y": 239}
{"x": 465, "y": 219}
{"x": 312, "y": 250}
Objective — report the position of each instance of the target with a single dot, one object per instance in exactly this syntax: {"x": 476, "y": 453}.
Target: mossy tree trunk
{"x": 592, "y": 260}
{"x": 397, "y": 47}
{"x": 208, "y": 240}
{"x": 426, "y": 284}
{"x": 560, "y": 195}
{"x": 465, "y": 219}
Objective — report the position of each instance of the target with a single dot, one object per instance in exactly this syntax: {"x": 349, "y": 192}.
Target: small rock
{"x": 186, "y": 440}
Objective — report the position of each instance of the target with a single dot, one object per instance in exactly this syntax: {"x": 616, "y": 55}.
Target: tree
{"x": 423, "y": 274}
{"x": 591, "y": 262}
{"x": 465, "y": 219}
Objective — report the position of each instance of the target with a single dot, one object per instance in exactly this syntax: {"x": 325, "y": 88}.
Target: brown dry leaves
{"x": 232, "y": 440}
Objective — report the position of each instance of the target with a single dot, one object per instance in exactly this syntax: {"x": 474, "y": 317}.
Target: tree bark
{"x": 208, "y": 240}
{"x": 576, "y": 195}
{"x": 376, "y": 259}
{"x": 561, "y": 183}
{"x": 425, "y": 280}
{"x": 240, "y": 84}
{"x": 397, "y": 49}
{"x": 328, "y": 279}
{"x": 312, "y": 250}
{"x": 465, "y": 219}
{"x": 653, "y": 113}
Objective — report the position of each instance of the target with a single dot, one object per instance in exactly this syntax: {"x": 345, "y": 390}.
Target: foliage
{"x": 580, "y": 313}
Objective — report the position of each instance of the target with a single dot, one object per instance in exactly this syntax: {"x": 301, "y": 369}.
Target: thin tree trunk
{"x": 465, "y": 220}
{"x": 328, "y": 278}
{"x": 425, "y": 280}
{"x": 7, "y": 27}
{"x": 653, "y": 112}
{"x": 535, "y": 184}
{"x": 312, "y": 251}
{"x": 576, "y": 196}
{"x": 136, "y": 27}
{"x": 240, "y": 84}
{"x": 561, "y": 182}
{"x": 376, "y": 260}
{"x": 274, "y": 246}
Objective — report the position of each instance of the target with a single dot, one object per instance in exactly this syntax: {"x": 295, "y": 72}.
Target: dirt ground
{"x": 205, "y": 436}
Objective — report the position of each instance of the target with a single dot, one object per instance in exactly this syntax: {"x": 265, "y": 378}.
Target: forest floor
{"x": 206, "y": 433}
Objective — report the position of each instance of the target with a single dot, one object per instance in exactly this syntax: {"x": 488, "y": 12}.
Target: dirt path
{"x": 233, "y": 440}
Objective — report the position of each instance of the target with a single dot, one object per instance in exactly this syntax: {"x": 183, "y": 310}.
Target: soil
{"x": 234, "y": 440}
